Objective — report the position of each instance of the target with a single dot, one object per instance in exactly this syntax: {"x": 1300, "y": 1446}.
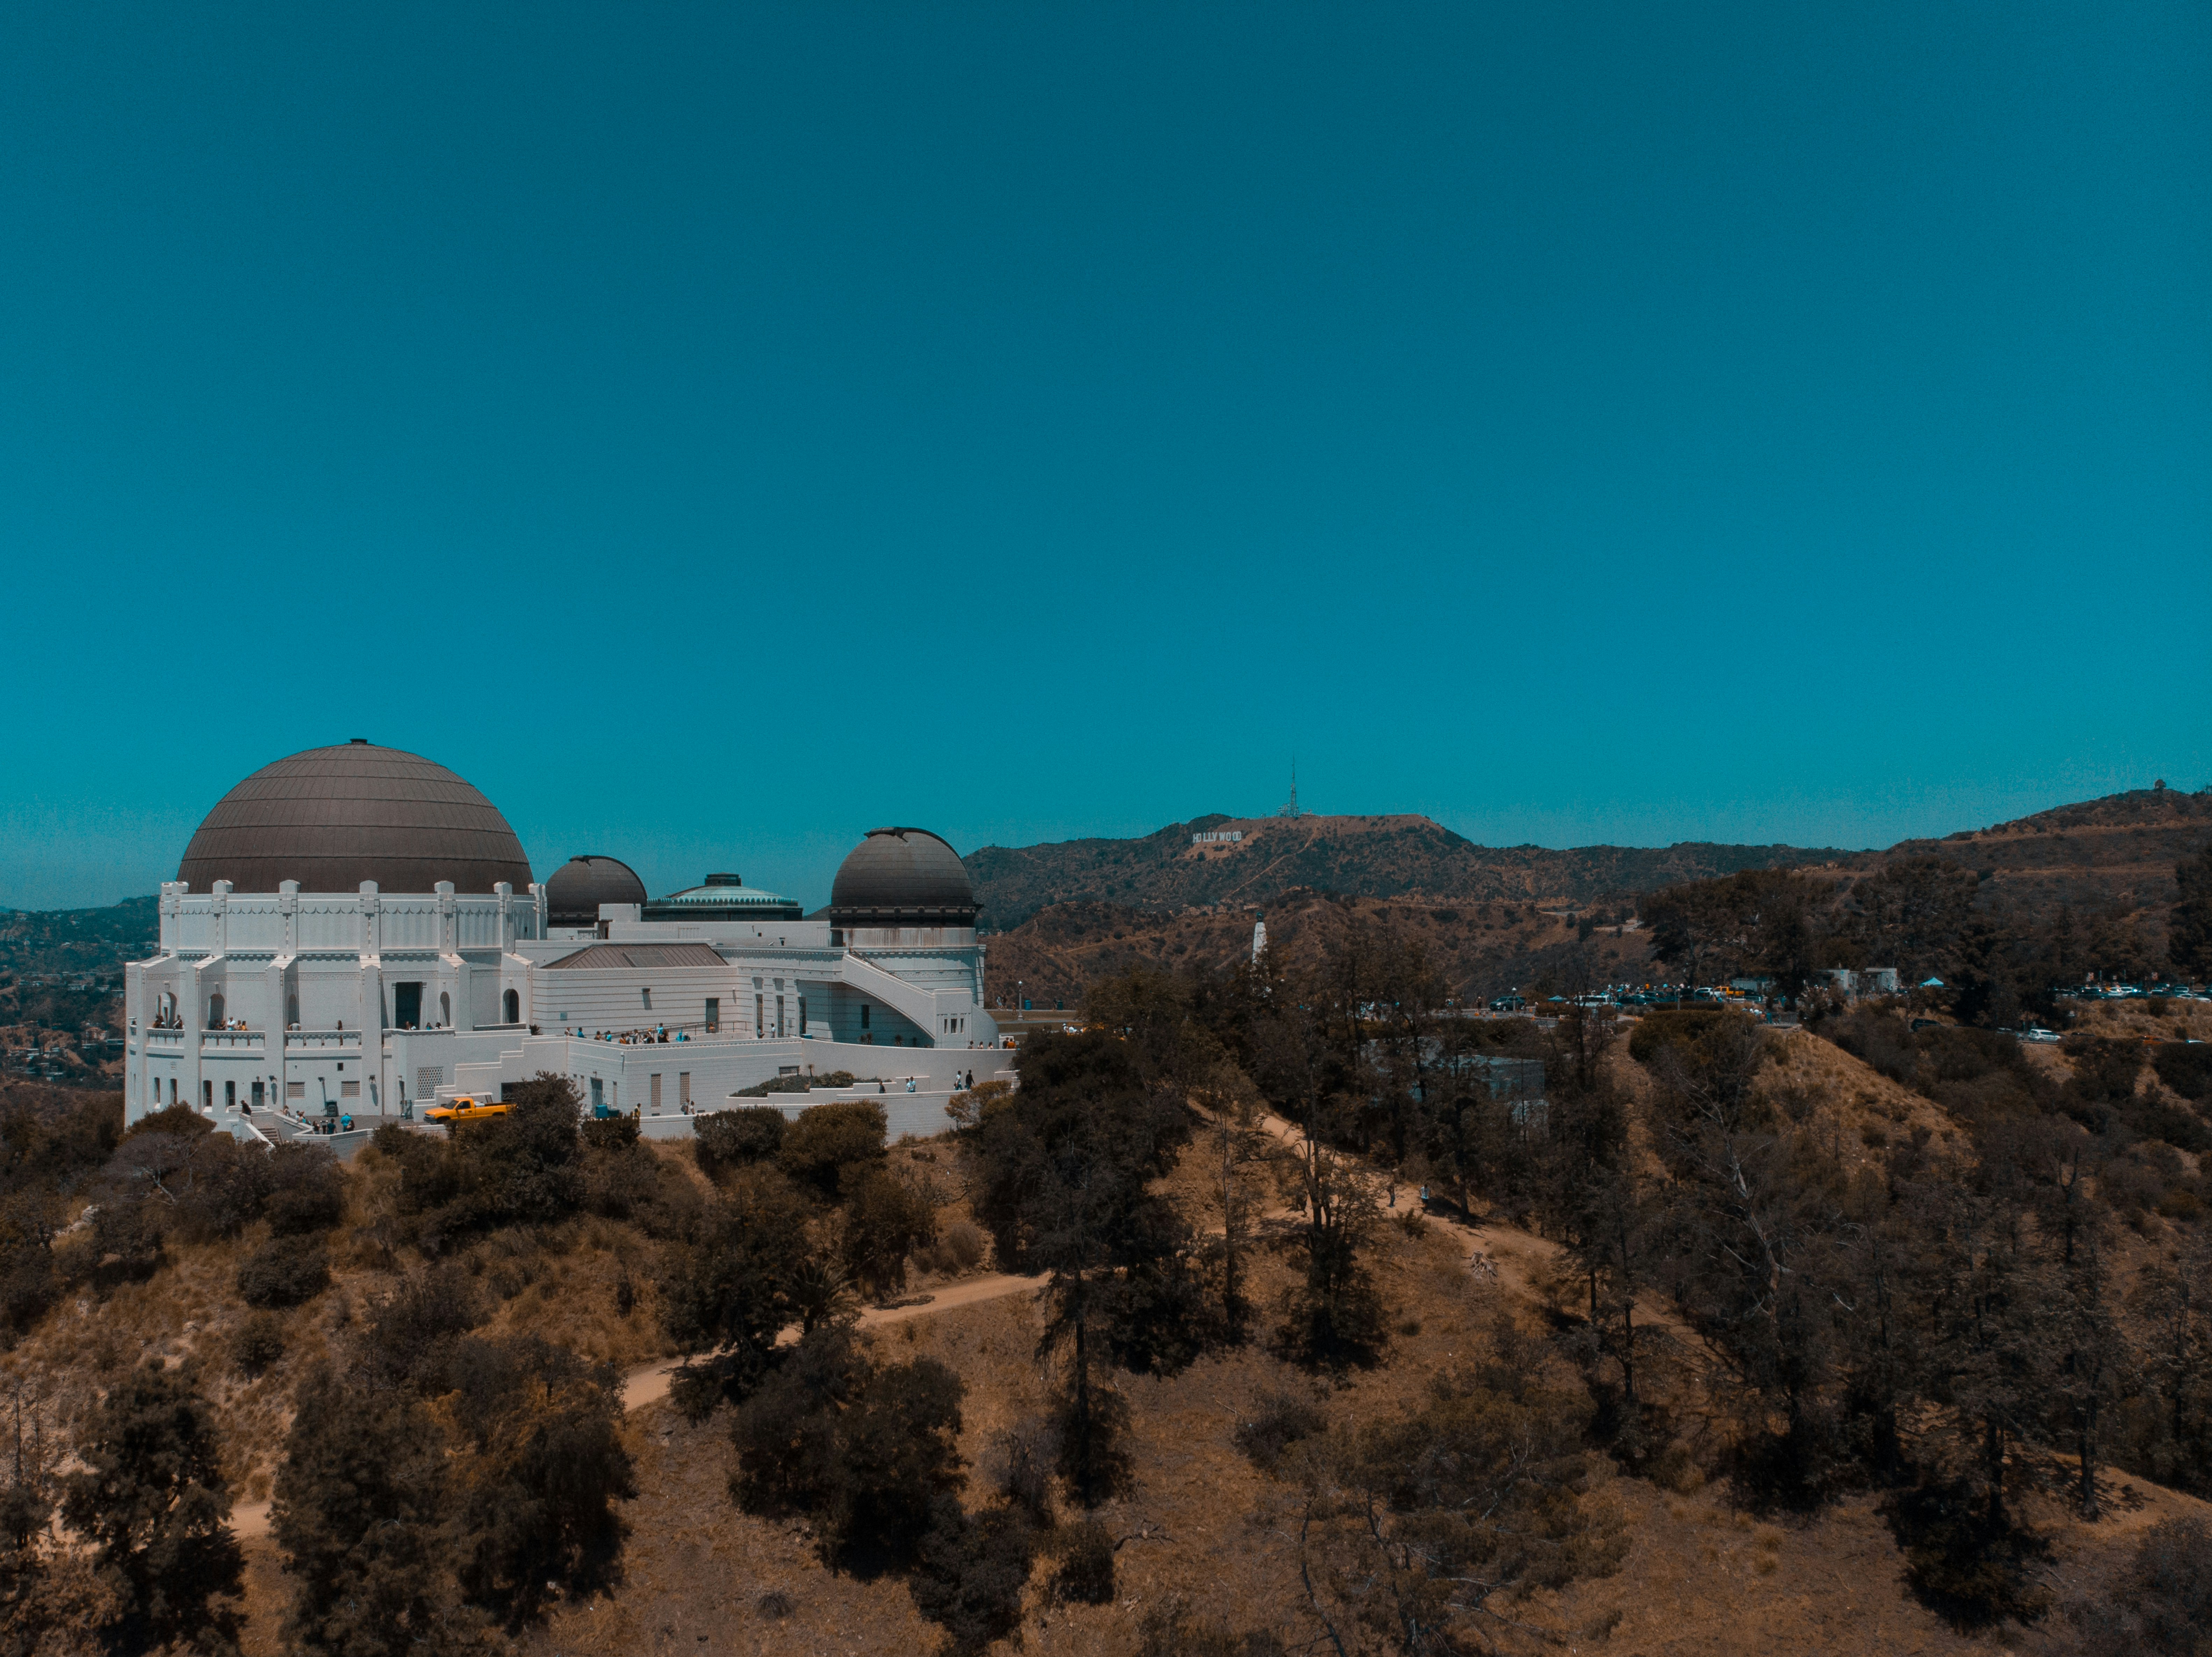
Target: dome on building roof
{"x": 722, "y": 897}
{"x": 333, "y": 817}
{"x": 903, "y": 876}
{"x": 579, "y": 886}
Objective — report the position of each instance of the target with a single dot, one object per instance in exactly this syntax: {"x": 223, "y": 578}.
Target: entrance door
{"x": 407, "y": 1006}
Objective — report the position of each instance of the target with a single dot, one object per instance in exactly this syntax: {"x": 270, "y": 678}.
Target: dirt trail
{"x": 650, "y": 1384}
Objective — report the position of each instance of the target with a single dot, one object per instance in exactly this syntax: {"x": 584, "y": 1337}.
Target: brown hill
{"x": 1498, "y": 919}
{"x": 1399, "y": 856}
{"x": 1482, "y": 950}
{"x": 2117, "y": 852}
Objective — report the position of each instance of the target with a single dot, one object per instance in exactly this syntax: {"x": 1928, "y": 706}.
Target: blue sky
{"x": 714, "y": 430}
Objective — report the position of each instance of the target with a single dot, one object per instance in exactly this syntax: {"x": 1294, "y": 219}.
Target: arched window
{"x": 513, "y": 1008}
{"x": 215, "y": 1012}
{"x": 445, "y": 1008}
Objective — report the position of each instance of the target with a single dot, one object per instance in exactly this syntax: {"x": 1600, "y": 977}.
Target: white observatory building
{"x": 356, "y": 930}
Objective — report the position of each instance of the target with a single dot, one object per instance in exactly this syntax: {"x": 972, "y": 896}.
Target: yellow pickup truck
{"x": 463, "y": 1108}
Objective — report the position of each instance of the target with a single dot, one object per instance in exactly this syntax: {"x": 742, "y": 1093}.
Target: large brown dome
{"x": 903, "y": 876}
{"x": 333, "y": 817}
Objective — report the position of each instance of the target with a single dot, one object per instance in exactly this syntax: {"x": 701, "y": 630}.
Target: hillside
{"x": 2117, "y": 852}
{"x": 1372, "y": 856}
{"x": 1482, "y": 950}
{"x": 1493, "y": 920}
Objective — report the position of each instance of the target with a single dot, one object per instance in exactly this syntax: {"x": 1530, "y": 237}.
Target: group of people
{"x": 657, "y": 1034}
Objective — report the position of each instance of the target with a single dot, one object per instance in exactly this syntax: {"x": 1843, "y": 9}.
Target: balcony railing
{"x": 320, "y": 1040}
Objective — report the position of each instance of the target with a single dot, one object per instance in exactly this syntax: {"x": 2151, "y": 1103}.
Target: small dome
{"x": 723, "y": 897}
{"x": 333, "y": 817}
{"x": 905, "y": 877}
{"x": 579, "y": 886}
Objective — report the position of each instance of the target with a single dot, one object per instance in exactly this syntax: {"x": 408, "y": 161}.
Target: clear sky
{"x": 714, "y": 430}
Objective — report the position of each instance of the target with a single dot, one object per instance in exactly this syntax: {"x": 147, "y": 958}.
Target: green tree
{"x": 1064, "y": 1175}
{"x": 886, "y": 1219}
{"x": 152, "y": 1505}
{"x": 533, "y": 1500}
{"x": 359, "y": 1514}
{"x": 867, "y": 1451}
{"x": 752, "y": 1269}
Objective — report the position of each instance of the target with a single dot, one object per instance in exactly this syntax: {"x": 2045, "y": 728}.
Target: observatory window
{"x": 257, "y": 1096}
{"x": 215, "y": 1012}
{"x": 713, "y": 1014}
{"x": 406, "y": 1005}
{"x": 295, "y": 1089}
{"x": 230, "y": 1096}
{"x": 802, "y": 1015}
{"x": 656, "y": 1093}
{"x": 514, "y": 1007}
{"x": 207, "y": 1096}
{"x": 445, "y": 1010}
{"x": 759, "y": 1027}
{"x": 684, "y": 1087}
{"x": 864, "y": 1015}
{"x": 647, "y": 995}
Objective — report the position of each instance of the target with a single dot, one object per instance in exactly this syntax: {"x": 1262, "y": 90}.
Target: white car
{"x": 2037, "y": 1033}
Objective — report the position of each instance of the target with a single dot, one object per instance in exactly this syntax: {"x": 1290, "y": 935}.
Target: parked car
{"x": 463, "y": 1108}
{"x": 1508, "y": 1003}
{"x": 2037, "y": 1033}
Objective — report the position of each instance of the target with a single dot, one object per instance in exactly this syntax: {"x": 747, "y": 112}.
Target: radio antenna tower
{"x": 1292, "y": 810}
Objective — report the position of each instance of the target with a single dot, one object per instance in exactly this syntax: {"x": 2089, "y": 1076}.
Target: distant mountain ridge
{"x": 1107, "y": 905}
{"x": 1392, "y": 856}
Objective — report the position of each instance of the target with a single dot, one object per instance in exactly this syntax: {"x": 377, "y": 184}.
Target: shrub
{"x": 1018, "y": 1464}
{"x": 1958, "y": 1565}
{"x": 609, "y": 1133}
{"x": 1278, "y": 1420}
{"x": 2187, "y": 1067}
{"x": 958, "y": 1247}
{"x": 970, "y": 1574}
{"x": 177, "y": 1118}
{"x": 408, "y": 1328}
{"x": 826, "y": 1139}
{"x": 2173, "y": 1585}
{"x": 1671, "y": 1027}
{"x": 258, "y": 1343}
{"x": 726, "y": 1139}
{"x": 835, "y": 1079}
{"x": 284, "y": 1271}
{"x": 1169, "y": 1630}
{"x": 1087, "y": 1563}
{"x": 307, "y": 1191}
